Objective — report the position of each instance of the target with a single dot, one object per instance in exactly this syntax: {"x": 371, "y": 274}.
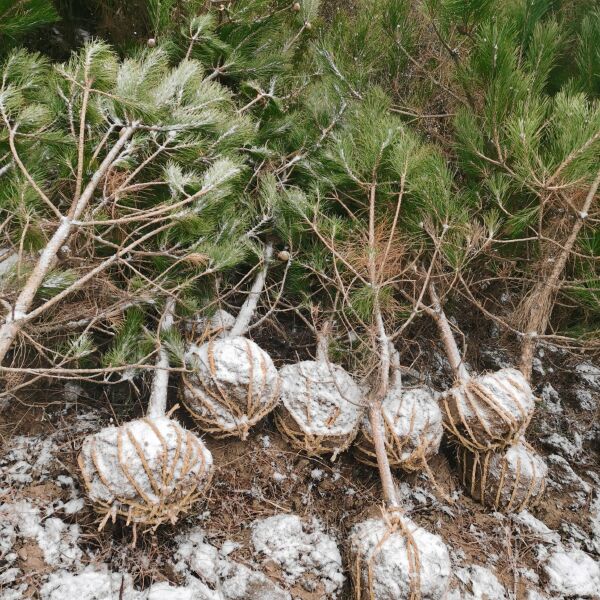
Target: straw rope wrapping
{"x": 233, "y": 386}
{"x": 321, "y": 407}
{"x": 510, "y": 480}
{"x": 488, "y": 412}
{"x": 413, "y": 430}
{"x": 148, "y": 471}
{"x": 389, "y": 551}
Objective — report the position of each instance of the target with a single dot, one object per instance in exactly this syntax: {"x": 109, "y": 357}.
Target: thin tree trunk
{"x": 14, "y": 319}
{"x": 452, "y": 351}
{"x": 249, "y": 307}
{"x": 157, "y": 405}
{"x": 323, "y": 342}
{"x": 376, "y": 416}
{"x": 543, "y": 293}
{"x": 376, "y": 399}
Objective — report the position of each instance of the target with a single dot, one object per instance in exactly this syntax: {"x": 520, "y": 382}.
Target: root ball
{"x": 510, "y": 480}
{"x": 413, "y": 429}
{"x": 490, "y": 411}
{"x": 321, "y": 407}
{"x": 394, "y": 558}
{"x": 234, "y": 384}
{"x": 148, "y": 471}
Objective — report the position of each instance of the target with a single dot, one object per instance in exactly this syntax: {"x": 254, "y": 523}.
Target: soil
{"x": 263, "y": 476}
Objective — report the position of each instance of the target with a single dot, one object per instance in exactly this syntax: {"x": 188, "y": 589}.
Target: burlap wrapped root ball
{"x": 392, "y": 558}
{"x": 413, "y": 429}
{"x": 509, "y": 480}
{"x": 489, "y": 411}
{"x": 148, "y": 471}
{"x": 233, "y": 385}
{"x": 321, "y": 407}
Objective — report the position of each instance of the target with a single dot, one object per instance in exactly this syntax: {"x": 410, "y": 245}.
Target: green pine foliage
{"x": 261, "y": 121}
{"x": 18, "y": 18}
{"x": 160, "y": 216}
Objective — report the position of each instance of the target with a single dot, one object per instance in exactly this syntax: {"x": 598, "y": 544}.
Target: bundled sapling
{"x": 321, "y": 405}
{"x": 150, "y": 470}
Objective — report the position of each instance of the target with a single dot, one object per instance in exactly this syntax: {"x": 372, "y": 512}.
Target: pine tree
{"x": 18, "y": 18}
{"x": 533, "y": 141}
{"x": 120, "y": 174}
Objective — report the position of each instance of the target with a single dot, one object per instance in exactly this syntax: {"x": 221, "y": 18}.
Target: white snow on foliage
{"x": 305, "y": 553}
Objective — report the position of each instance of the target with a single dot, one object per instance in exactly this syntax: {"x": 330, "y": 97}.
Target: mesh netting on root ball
{"x": 148, "y": 471}
{"x": 413, "y": 429}
{"x": 509, "y": 480}
{"x": 233, "y": 385}
{"x": 394, "y": 558}
{"x": 489, "y": 411}
{"x": 321, "y": 407}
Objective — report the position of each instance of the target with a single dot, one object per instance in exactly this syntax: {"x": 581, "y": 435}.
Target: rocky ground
{"x": 275, "y": 523}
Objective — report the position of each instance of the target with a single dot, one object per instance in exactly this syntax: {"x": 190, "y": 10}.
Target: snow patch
{"x": 573, "y": 573}
{"x": 589, "y": 374}
{"x": 477, "y": 583}
{"x": 564, "y": 479}
{"x": 57, "y": 540}
{"x": 304, "y": 552}
{"x": 204, "y": 566}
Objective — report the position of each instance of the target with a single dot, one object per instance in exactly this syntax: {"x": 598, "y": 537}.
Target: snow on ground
{"x": 477, "y": 583}
{"x": 99, "y": 583}
{"x": 56, "y": 539}
{"x": 203, "y": 565}
{"x": 589, "y": 374}
{"x": 40, "y": 501}
{"x": 305, "y": 553}
{"x": 573, "y": 573}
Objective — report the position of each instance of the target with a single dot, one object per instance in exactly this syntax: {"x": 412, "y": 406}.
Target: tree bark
{"x": 14, "y": 318}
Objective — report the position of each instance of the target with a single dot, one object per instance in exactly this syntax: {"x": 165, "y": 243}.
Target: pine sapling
{"x": 151, "y": 470}
{"x": 485, "y": 412}
{"x": 321, "y": 405}
{"x": 536, "y": 308}
{"x": 372, "y": 161}
{"x": 107, "y": 199}
{"x": 233, "y": 382}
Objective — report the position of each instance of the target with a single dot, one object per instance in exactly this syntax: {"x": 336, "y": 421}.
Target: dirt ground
{"x": 263, "y": 476}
